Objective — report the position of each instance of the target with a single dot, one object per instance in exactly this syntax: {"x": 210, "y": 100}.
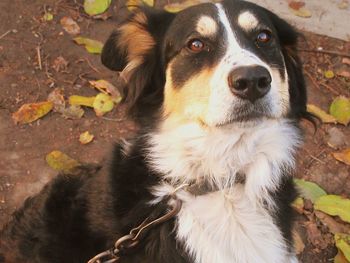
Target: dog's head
{"x": 212, "y": 63}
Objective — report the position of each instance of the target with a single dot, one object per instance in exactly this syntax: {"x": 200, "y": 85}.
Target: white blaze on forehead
{"x": 206, "y": 26}
{"x": 247, "y": 21}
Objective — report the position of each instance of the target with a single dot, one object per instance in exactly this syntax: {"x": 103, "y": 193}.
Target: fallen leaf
{"x": 48, "y": 16}
{"x": 103, "y": 103}
{"x": 60, "y": 64}
{"x": 314, "y": 235}
{"x": 309, "y": 190}
{"x": 302, "y": 12}
{"x": 344, "y": 4}
{"x": 342, "y": 242}
{"x": 299, "y": 245}
{"x": 61, "y": 162}
{"x": 296, "y": 5}
{"x": 92, "y": 46}
{"x": 324, "y": 116}
{"x": 73, "y": 112}
{"x": 86, "y": 137}
{"x": 106, "y": 88}
{"x": 81, "y": 100}
{"x": 133, "y": 4}
{"x": 336, "y": 138}
{"x": 70, "y": 26}
{"x": 343, "y": 156}
{"x": 56, "y": 97}
{"x": 177, "y": 7}
{"x": 333, "y": 226}
{"x": 334, "y": 205}
{"x": 298, "y": 205}
{"x": 32, "y": 111}
{"x": 329, "y": 74}
{"x": 340, "y": 109}
{"x": 346, "y": 61}
{"x": 96, "y": 7}
{"x": 340, "y": 258}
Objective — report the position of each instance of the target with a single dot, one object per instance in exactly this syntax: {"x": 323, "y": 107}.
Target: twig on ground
{"x": 38, "y": 52}
{"x": 110, "y": 119}
{"x": 317, "y": 85}
{"x": 6, "y": 33}
{"x": 324, "y": 51}
{"x": 91, "y": 66}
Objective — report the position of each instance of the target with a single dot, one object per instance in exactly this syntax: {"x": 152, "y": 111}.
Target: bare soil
{"x": 23, "y": 169}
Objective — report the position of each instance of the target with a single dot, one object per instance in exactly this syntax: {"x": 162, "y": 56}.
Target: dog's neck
{"x": 190, "y": 152}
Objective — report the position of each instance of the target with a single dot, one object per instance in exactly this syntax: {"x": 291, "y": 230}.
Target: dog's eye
{"x": 196, "y": 45}
{"x": 263, "y": 37}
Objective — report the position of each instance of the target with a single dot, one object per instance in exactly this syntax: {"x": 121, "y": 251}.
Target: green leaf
{"x": 96, "y": 7}
{"x": 103, "y": 103}
{"x": 342, "y": 241}
{"x": 334, "y": 205}
{"x": 61, "y": 162}
{"x": 92, "y": 46}
{"x": 309, "y": 190}
{"x": 340, "y": 109}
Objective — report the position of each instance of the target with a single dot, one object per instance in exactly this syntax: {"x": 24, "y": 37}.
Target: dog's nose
{"x": 250, "y": 82}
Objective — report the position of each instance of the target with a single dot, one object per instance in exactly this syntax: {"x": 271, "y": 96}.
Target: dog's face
{"x": 214, "y": 64}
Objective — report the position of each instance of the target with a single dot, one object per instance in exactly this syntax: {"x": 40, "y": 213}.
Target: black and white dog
{"x": 218, "y": 92}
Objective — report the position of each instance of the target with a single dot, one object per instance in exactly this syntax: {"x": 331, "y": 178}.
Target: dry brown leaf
{"x": 73, "y": 112}
{"x": 299, "y": 245}
{"x": 346, "y": 61}
{"x": 70, "y": 26}
{"x": 56, "y": 97}
{"x": 315, "y": 236}
{"x": 30, "y": 112}
{"x": 343, "y": 156}
{"x": 60, "y": 64}
{"x": 296, "y": 5}
{"x": 332, "y": 224}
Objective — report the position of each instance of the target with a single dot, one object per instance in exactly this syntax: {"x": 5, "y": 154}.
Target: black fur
{"x": 79, "y": 215}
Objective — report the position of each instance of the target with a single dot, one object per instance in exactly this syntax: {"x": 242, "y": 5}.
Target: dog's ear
{"x": 135, "y": 50}
{"x": 288, "y": 38}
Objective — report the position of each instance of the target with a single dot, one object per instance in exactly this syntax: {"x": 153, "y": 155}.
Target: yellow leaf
{"x": 340, "y": 258}
{"x": 177, "y": 7}
{"x": 325, "y": 117}
{"x": 340, "y": 109}
{"x": 343, "y": 156}
{"x": 133, "y": 4}
{"x": 91, "y": 45}
{"x": 342, "y": 241}
{"x": 30, "y": 112}
{"x": 48, "y": 16}
{"x": 107, "y": 88}
{"x": 61, "y": 162}
{"x": 329, "y": 74}
{"x": 334, "y": 205}
{"x": 103, "y": 103}
{"x": 298, "y": 205}
{"x": 301, "y": 12}
{"x": 86, "y": 137}
{"x": 81, "y": 100}
{"x": 96, "y": 7}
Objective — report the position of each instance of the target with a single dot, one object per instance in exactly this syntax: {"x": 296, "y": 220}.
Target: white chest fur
{"x": 230, "y": 225}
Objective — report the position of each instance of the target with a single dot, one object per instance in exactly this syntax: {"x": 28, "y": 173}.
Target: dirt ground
{"x": 23, "y": 169}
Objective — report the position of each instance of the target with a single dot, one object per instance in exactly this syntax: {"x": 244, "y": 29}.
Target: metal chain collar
{"x": 135, "y": 235}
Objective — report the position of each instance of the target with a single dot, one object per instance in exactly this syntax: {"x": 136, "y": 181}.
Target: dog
{"x": 218, "y": 92}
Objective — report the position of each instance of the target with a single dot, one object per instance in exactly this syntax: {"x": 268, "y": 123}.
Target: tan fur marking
{"x": 189, "y": 102}
{"x": 206, "y": 26}
{"x": 135, "y": 39}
